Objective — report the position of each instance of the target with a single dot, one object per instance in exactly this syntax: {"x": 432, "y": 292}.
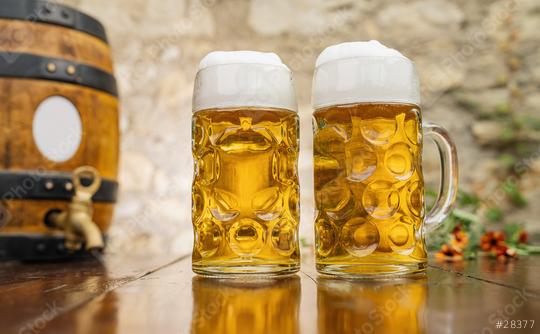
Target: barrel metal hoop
{"x": 51, "y": 12}
{"x": 25, "y": 65}
{"x": 41, "y": 185}
{"x": 37, "y": 247}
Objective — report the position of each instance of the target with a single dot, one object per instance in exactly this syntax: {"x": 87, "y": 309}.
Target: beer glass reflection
{"x": 366, "y": 307}
{"x": 245, "y": 306}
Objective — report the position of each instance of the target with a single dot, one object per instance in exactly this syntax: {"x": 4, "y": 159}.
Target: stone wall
{"x": 474, "y": 57}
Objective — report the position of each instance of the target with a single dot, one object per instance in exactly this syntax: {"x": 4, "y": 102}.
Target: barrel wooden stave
{"x": 55, "y": 41}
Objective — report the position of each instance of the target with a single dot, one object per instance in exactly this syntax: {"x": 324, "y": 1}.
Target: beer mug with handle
{"x": 369, "y": 187}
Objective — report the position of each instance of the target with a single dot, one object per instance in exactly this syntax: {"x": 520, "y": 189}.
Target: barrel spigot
{"x": 77, "y": 222}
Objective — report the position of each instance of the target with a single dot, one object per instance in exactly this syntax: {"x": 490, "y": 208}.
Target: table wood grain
{"x": 160, "y": 294}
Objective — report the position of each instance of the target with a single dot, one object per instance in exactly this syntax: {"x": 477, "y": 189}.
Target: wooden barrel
{"x": 58, "y": 111}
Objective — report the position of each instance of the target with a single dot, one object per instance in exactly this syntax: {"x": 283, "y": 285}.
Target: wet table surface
{"x": 160, "y": 294}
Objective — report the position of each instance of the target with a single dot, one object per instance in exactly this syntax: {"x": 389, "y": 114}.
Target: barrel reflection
{"x": 371, "y": 307}
{"x": 245, "y": 306}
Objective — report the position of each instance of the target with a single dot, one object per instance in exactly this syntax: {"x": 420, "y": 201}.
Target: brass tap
{"x": 77, "y": 222}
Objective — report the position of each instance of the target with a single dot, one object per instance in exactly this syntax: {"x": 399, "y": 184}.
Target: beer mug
{"x": 369, "y": 188}
{"x": 245, "y": 194}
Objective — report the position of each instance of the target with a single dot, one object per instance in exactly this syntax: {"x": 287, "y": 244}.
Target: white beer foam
{"x": 356, "y": 49}
{"x": 364, "y": 72}
{"x": 232, "y": 79}
{"x": 240, "y": 57}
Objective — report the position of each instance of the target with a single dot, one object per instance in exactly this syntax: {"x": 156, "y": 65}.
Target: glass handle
{"x": 448, "y": 188}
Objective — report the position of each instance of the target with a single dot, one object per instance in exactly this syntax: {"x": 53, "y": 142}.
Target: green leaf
{"x": 512, "y": 191}
{"x": 431, "y": 193}
{"x": 494, "y": 214}
{"x": 508, "y": 160}
{"x": 468, "y": 104}
{"x": 507, "y": 134}
{"x": 465, "y": 216}
{"x": 522, "y": 251}
{"x": 525, "y": 149}
{"x": 512, "y": 231}
{"x": 531, "y": 249}
{"x": 502, "y": 108}
{"x": 468, "y": 199}
{"x": 470, "y": 255}
{"x": 442, "y": 235}
{"x": 530, "y": 122}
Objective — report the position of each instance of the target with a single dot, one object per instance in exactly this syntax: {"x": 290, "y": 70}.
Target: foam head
{"x": 364, "y": 72}
{"x": 229, "y": 79}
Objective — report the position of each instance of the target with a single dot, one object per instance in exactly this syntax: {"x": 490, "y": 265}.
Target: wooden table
{"x": 161, "y": 295}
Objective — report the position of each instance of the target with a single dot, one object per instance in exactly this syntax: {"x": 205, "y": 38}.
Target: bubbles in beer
{"x": 336, "y": 198}
{"x": 378, "y": 130}
{"x": 284, "y": 237}
{"x": 246, "y": 237}
{"x": 380, "y": 199}
{"x": 368, "y": 185}
{"x": 415, "y": 198}
{"x": 207, "y": 238}
{"x": 361, "y": 161}
{"x": 267, "y": 203}
{"x": 225, "y": 205}
{"x": 360, "y": 237}
{"x": 399, "y": 161}
{"x": 208, "y": 167}
{"x": 403, "y": 236}
{"x": 245, "y": 188}
{"x": 325, "y": 237}
{"x": 330, "y": 140}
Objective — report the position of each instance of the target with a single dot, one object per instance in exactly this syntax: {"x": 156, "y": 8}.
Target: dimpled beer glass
{"x": 369, "y": 188}
{"x": 245, "y": 192}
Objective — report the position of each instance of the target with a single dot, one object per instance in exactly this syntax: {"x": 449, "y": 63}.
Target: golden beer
{"x": 368, "y": 187}
{"x": 245, "y": 191}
